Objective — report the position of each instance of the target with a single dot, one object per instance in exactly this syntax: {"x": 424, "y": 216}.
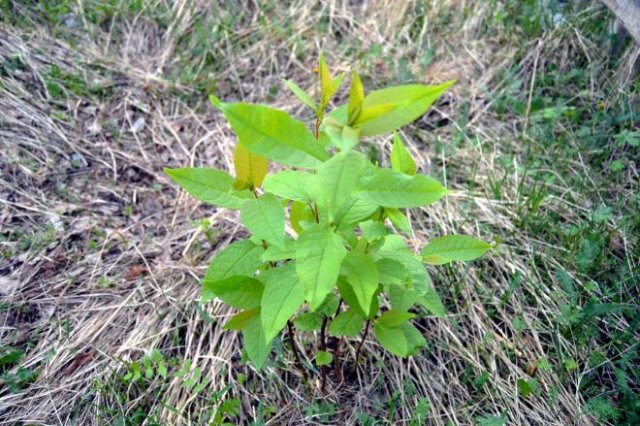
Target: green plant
{"x": 330, "y": 267}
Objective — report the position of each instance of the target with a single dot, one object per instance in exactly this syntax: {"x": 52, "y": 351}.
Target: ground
{"x": 101, "y": 255}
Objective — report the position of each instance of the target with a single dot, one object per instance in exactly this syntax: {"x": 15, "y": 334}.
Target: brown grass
{"x": 71, "y": 167}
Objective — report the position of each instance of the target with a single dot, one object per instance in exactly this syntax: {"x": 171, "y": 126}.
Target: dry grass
{"x": 73, "y": 171}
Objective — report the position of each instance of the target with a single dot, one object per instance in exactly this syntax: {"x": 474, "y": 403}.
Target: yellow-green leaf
{"x": 356, "y": 96}
{"x": 250, "y": 168}
{"x": 240, "y": 320}
{"x": 273, "y": 134}
{"x": 389, "y": 109}
{"x": 401, "y": 160}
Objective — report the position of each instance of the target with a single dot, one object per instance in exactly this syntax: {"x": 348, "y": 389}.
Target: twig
{"x": 364, "y": 337}
{"x": 296, "y": 354}
{"x": 323, "y": 347}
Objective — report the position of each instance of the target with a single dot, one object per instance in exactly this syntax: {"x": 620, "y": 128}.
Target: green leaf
{"x": 373, "y": 229}
{"x": 309, "y": 321}
{"x": 250, "y": 168}
{"x": 356, "y": 97}
{"x": 431, "y": 301}
{"x": 264, "y": 217}
{"x": 394, "y": 318}
{"x": 392, "y": 272}
{"x": 389, "y": 109}
{"x": 289, "y": 184}
{"x": 420, "y": 279}
{"x": 388, "y": 188}
{"x": 273, "y": 134}
{"x": 299, "y": 214}
{"x": 301, "y": 94}
{"x": 323, "y": 358}
{"x": 275, "y": 254}
{"x": 403, "y": 299}
{"x": 415, "y": 339}
{"x": 398, "y": 219}
{"x": 240, "y": 320}
{"x": 283, "y": 296}
{"x": 326, "y": 85}
{"x": 255, "y": 343}
{"x": 340, "y": 135}
{"x": 362, "y": 274}
{"x": 337, "y": 178}
{"x": 238, "y": 291}
{"x": 401, "y": 160}
{"x": 336, "y": 83}
{"x": 354, "y": 211}
{"x": 239, "y": 258}
{"x": 392, "y": 339}
{"x": 453, "y": 247}
{"x": 347, "y": 323}
{"x": 209, "y": 185}
{"x": 319, "y": 253}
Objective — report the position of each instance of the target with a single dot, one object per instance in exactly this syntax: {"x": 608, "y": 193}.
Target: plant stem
{"x": 364, "y": 337}
{"x": 296, "y": 354}
{"x": 323, "y": 347}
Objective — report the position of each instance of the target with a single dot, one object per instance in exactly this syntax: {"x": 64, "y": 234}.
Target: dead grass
{"x": 73, "y": 171}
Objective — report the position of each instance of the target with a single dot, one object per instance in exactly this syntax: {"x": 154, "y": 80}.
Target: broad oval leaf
{"x": 394, "y": 318}
{"x": 289, "y": 184}
{"x": 250, "y": 168}
{"x": 389, "y": 109}
{"x": 323, "y": 358}
{"x": 337, "y": 178}
{"x": 239, "y": 291}
{"x": 353, "y": 211}
{"x": 403, "y": 299}
{"x": 453, "y": 247}
{"x": 393, "y": 272}
{"x": 298, "y": 215}
{"x": 239, "y": 258}
{"x": 420, "y": 279}
{"x": 273, "y": 134}
{"x": 388, "y": 188}
{"x": 362, "y": 274}
{"x": 240, "y": 320}
{"x": 264, "y": 217}
{"x": 401, "y": 160}
{"x": 255, "y": 343}
{"x": 283, "y": 295}
{"x": 275, "y": 254}
{"x": 209, "y": 185}
{"x": 392, "y": 339}
{"x": 319, "y": 253}
{"x": 347, "y": 324}
{"x": 398, "y": 219}
{"x": 415, "y": 339}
